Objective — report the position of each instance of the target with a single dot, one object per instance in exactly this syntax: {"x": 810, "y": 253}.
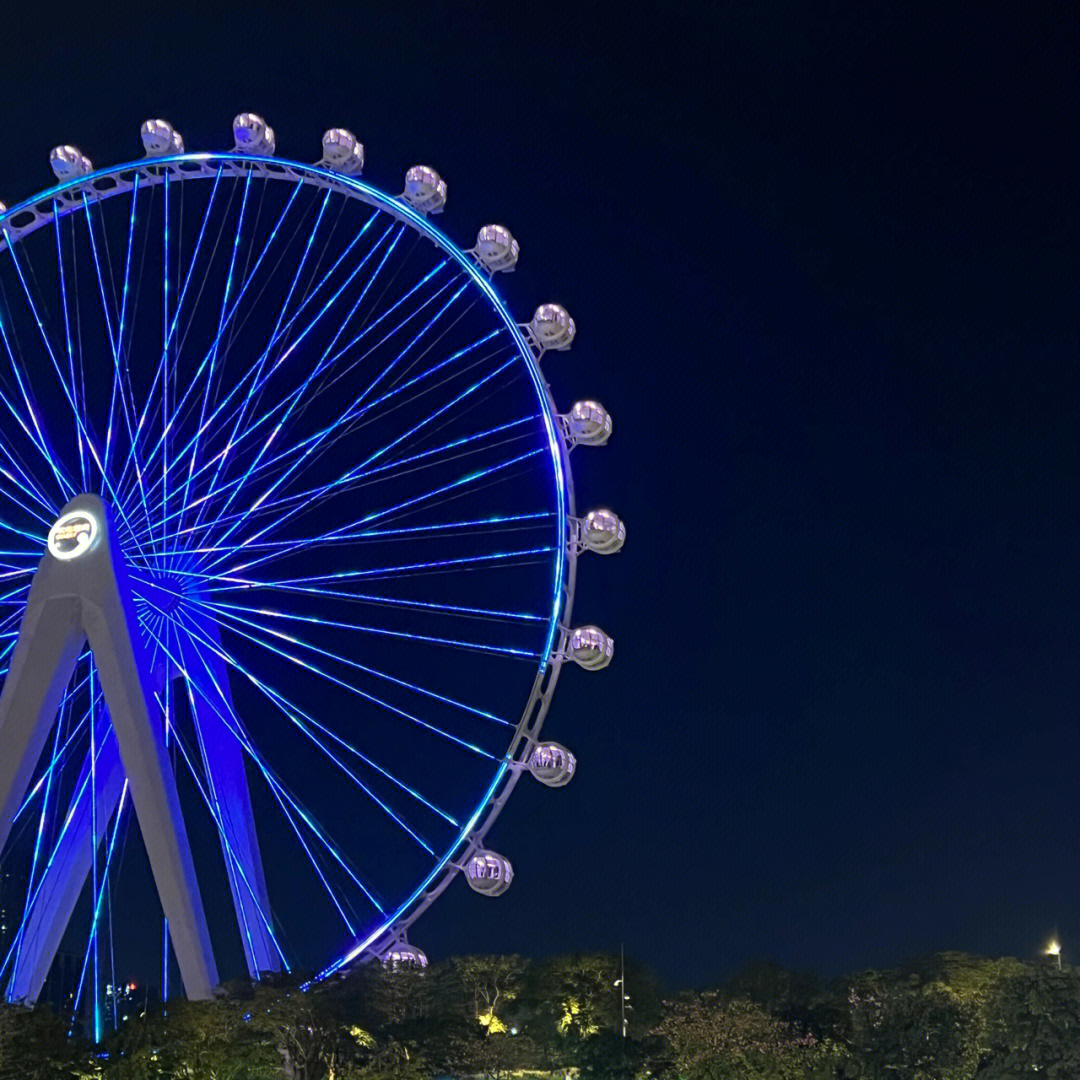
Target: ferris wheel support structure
{"x": 81, "y": 593}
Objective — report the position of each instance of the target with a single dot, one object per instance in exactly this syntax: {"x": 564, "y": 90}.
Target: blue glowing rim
{"x": 557, "y": 446}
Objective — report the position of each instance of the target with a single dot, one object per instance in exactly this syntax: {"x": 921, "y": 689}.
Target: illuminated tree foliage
{"x": 949, "y": 1017}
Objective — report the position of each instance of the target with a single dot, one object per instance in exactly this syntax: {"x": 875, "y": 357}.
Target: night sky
{"x": 823, "y": 263}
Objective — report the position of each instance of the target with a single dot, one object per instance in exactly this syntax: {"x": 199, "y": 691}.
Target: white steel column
{"x": 87, "y": 596}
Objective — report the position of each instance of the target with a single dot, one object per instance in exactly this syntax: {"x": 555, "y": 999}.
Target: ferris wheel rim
{"x": 70, "y": 196}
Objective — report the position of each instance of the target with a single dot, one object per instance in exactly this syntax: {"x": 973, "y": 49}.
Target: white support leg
{"x": 224, "y": 764}
{"x": 65, "y": 875}
{"x": 92, "y": 596}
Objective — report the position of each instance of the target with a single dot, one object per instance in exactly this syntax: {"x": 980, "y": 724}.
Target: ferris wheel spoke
{"x": 463, "y": 481}
{"x": 257, "y": 380}
{"x": 325, "y": 438}
{"x": 25, "y": 481}
{"x": 228, "y": 610}
{"x": 234, "y": 865}
{"x": 292, "y": 401}
{"x": 245, "y": 633}
{"x": 298, "y": 395}
{"x": 501, "y": 650}
{"x": 58, "y": 755}
{"x": 339, "y": 537}
{"x": 118, "y": 386}
{"x": 305, "y": 722}
{"x": 79, "y": 420}
{"x": 212, "y": 353}
{"x": 241, "y": 414}
{"x": 115, "y": 350}
{"x": 39, "y": 836}
{"x": 248, "y": 278}
{"x": 205, "y": 786}
{"x": 254, "y": 369}
{"x": 349, "y": 421}
{"x": 434, "y": 415}
{"x": 225, "y": 580}
{"x": 341, "y": 372}
{"x": 255, "y": 505}
{"x": 98, "y": 895}
{"x": 293, "y": 712}
{"x": 151, "y": 396}
{"x": 38, "y": 436}
{"x": 285, "y": 799}
{"x": 67, "y": 332}
{"x": 16, "y": 500}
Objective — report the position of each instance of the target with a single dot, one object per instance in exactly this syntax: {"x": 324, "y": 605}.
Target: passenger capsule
{"x": 159, "y": 138}
{"x": 489, "y": 873}
{"x": 552, "y": 764}
{"x": 67, "y": 163}
{"x": 589, "y": 423}
{"x": 425, "y": 189}
{"x": 603, "y": 532}
{"x": 253, "y": 135}
{"x": 552, "y": 327}
{"x": 342, "y": 152}
{"x": 590, "y": 647}
{"x": 496, "y": 248}
{"x": 404, "y": 955}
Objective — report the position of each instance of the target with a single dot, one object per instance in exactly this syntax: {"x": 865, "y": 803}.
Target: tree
{"x": 579, "y": 993}
{"x": 788, "y": 995}
{"x": 930, "y": 1018}
{"x": 482, "y": 987}
{"x": 391, "y": 995}
{"x": 1033, "y": 1023}
{"x": 315, "y": 1033}
{"x": 713, "y": 1037}
{"x": 34, "y": 1045}
{"x": 488, "y": 1054}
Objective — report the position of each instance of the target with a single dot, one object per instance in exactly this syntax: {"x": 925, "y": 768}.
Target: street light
{"x": 1054, "y": 949}
{"x": 620, "y": 982}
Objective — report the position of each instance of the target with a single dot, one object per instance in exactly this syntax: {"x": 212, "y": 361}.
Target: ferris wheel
{"x": 288, "y": 562}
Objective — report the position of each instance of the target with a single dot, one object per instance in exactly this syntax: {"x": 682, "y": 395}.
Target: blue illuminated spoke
{"x": 443, "y": 489}
{"x": 114, "y": 345}
{"x": 358, "y": 628}
{"x": 58, "y": 756}
{"x": 67, "y": 336}
{"x": 151, "y": 396}
{"x": 426, "y": 692}
{"x": 213, "y": 804}
{"x": 72, "y": 809}
{"x": 299, "y": 395}
{"x": 37, "y": 437}
{"x": 293, "y": 712}
{"x": 284, "y": 798}
{"x": 43, "y": 817}
{"x": 293, "y": 400}
{"x": 253, "y": 370}
{"x": 303, "y": 450}
{"x": 227, "y": 320}
{"x": 337, "y": 536}
{"x": 307, "y": 665}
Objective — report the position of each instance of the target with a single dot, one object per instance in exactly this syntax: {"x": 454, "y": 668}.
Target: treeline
{"x": 949, "y": 1017}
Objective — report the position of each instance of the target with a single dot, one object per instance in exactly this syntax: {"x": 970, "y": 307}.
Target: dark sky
{"x": 823, "y": 261}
